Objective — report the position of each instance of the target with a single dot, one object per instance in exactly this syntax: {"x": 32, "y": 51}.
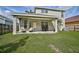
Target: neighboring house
{"x": 42, "y": 20}
{"x": 6, "y": 22}
{"x": 72, "y": 23}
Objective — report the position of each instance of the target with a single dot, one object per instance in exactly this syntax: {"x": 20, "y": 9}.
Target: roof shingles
{"x": 72, "y": 19}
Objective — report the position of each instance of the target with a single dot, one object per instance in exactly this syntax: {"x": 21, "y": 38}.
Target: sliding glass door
{"x": 44, "y": 26}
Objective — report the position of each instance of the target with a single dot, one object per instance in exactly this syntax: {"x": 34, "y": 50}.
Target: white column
{"x": 19, "y": 25}
{"x": 28, "y": 25}
{"x": 55, "y": 24}
{"x": 63, "y": 24}
{"x": 14, "y": 26}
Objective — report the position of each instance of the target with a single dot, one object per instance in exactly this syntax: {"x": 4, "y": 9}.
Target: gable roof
{"x": 72, "y": 19}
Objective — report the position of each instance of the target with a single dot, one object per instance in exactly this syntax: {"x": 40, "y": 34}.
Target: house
{"x": 72, "y": 23}
{"x": 42, "y": 20}
{"x": 6, "y": 20}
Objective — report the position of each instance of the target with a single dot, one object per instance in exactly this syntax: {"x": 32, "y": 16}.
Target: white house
{"x": 42, "y": 20}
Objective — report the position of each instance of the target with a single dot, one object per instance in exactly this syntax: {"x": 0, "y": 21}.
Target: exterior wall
{"x": 54, "y": 13}
{"x": 72, "y": 26}
{"x": 38, "y": 11}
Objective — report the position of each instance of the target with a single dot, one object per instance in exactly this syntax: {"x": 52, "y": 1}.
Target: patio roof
{"x": 19, "y": 15}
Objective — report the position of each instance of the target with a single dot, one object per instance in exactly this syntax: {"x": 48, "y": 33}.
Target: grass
{"x": 66, "y": 42}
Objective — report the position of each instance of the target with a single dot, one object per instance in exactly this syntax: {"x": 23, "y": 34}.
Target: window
{"x": 44, "y": 11}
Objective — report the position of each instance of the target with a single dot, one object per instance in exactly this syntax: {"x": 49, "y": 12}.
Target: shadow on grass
{"x": 13, "y": 46}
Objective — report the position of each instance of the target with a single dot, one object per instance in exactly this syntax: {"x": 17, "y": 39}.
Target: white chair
{"x": 31, "y": 29}
{"x": 22, "y": 29}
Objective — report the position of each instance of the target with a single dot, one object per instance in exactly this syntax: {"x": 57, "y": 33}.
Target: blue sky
{"x": 72, "y": 11}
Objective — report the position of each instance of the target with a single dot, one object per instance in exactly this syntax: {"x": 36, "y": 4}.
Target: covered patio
{"x": 34, "y": 23}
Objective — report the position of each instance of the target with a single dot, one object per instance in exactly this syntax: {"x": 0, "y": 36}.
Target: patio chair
{"x": 31, "y": 29}
{"x": 22, "y": 29}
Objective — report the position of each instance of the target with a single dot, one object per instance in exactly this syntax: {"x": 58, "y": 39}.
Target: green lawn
{"x": 63, "y": 41}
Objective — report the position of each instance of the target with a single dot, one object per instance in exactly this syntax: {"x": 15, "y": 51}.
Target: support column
{"x": 28, "y": 25}
{"x": 63, "y": 24}
{"x": 63, "y": 20}
{"x": 53, "y": 25}
{"x": 56, "y": 29}
{"x": 19, "y": 25}
{"x": 14, "y": 26}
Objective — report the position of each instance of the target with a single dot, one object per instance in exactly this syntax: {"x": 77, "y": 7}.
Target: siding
{"x": 72, "y": 26}
{"x": 54, "y": 13}
{"x": 72, "y": 23}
